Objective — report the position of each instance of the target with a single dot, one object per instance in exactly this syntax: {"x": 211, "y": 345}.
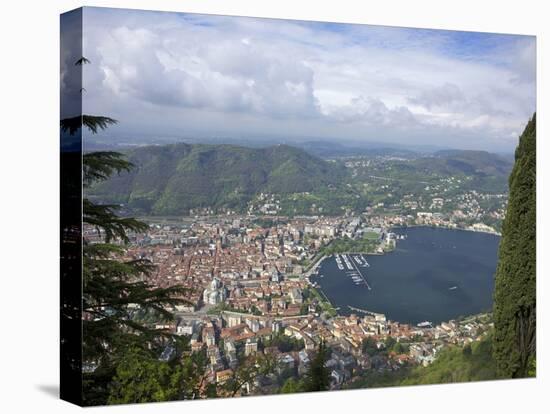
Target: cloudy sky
{"x": 188, "y": 75}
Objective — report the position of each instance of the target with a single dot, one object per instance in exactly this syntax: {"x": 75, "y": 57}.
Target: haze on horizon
{"x": 190, "y": 75}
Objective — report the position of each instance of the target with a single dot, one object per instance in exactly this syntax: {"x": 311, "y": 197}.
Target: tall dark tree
{"x": 113, "y": 286}
{"x": 515, "y": 279}
{"x": 249, "y": 369}
{"x": 318, "y": 375}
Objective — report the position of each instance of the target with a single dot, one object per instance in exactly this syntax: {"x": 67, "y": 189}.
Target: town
{"x": 248, "y": 293}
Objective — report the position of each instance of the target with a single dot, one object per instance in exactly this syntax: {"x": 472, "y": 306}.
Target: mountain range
{"x": 171, "y": 179}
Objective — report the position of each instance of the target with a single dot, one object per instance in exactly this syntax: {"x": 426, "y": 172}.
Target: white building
{"x": 215, "y": 293}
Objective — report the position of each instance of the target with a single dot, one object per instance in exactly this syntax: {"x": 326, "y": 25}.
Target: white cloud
{"x": 282, "y": 77}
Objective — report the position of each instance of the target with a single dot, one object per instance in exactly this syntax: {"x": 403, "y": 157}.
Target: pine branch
{"x": 93, "y": 123}
{"x": 102, "y": 216}
{"x": 100, "y": 165}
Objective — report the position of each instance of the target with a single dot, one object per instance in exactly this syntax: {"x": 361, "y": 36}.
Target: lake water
{"x": 433, "y": 274}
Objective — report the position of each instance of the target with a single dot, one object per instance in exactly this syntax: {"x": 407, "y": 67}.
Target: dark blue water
{"x": 416, "y": 282}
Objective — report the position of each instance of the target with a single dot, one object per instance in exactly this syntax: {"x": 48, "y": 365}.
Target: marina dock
{"x": 353, "y": 266}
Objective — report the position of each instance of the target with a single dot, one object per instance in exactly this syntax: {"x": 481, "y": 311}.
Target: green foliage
{"x": 515, "y": 279}
{"x": 390, "y": 342}
{"x": 142, "y": 378}
{"x": 211, "y": 391}
{"x": 369, "y": 346}
{"x": 100, "y": 165}
{"x": 400, "y": 348}
{"x": 346, "y": 244}
{"x": 248, "y": 369}
{"x": 255, "y": 311}
{"x": 122, "y": 348}
{"x": 377, "y": 379}
{"x": 110, "y": 287}
{"x": 267, "y": 223}
{"x": 330, "y": 200}
{"x": 284, "y": 343}
{"x": 193, "y": 369}
{"x": 292, "y": 385}
{"x": 456, "y": 364}
{"x": 92, "y": 122}
{"x": 174, "y": 178}
{"x": 474, "y": 362}
{"x": 103, "y": 218}
{"x": 113, "y": 287}
{"x": 318, "y": 376}
{"x": 478, "y": 170}
{"x": 468, "y": 162}
{"x": 220, "y": 307}
{"x": 532, "y": 372}
{"x": 325, "y": 305}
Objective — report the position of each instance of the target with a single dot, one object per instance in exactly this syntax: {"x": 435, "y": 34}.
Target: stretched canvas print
{"x": 259, "y": 206}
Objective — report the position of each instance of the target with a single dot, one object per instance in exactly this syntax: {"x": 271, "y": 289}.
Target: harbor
{"x": 349, "y": 263}
{"x": 434, "y": 275}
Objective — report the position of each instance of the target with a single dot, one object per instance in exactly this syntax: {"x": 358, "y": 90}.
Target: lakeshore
{"x": 424, "y": 278}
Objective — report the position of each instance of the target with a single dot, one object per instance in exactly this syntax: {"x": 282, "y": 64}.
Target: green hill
{"x": 474, "y": 162}
{"x": 474, "y": 362}
{"x": 171, "y": 179}
{"x": 479, "y": 170}
{"x": 477, "y": 164}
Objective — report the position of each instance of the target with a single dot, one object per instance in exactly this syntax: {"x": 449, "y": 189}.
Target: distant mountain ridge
{"x": 334, "y": 150}
{"x": 171, "y": 179}
{"x": 476, "y": 162}
{"x": 487, "y": 172}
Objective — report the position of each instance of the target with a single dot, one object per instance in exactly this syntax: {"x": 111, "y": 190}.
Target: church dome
{"x": 215, "y": 284}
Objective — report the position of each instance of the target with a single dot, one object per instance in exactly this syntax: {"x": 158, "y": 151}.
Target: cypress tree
{"x": 515, "y": 279}
{"x": 318, "y": 375}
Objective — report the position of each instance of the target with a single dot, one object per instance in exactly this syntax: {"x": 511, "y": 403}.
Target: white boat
{"x": 339, "y": 262}
{"x": 348, "y": 263}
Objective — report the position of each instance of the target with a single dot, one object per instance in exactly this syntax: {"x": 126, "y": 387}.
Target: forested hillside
{"x": 474, "y": 362}
{"x": 174, "y": 178}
